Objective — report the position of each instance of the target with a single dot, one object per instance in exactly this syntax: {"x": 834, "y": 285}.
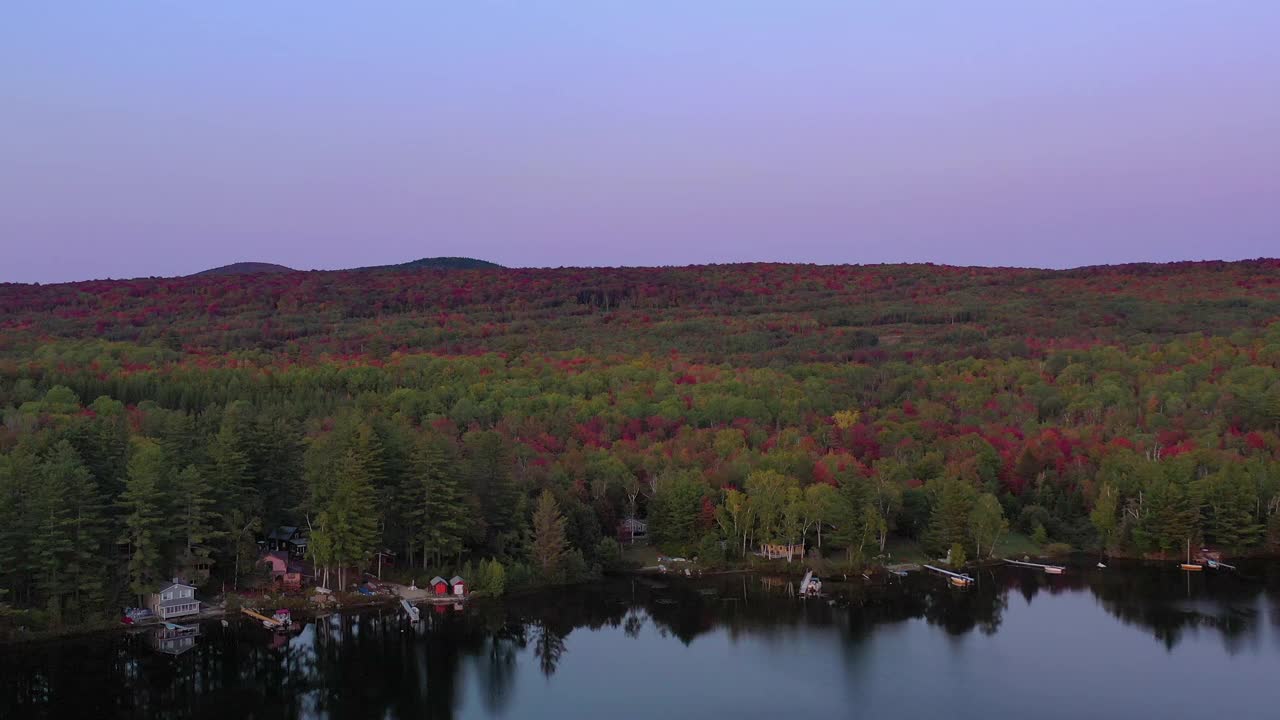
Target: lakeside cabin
{"x": 439, "y": 585}
{"x": 174, "y": 600}
{"x": 630, "y": 530}
{"x": 288, "y": 539}
{"x": 771, "y": 551}
{"x": 281, "y": 570}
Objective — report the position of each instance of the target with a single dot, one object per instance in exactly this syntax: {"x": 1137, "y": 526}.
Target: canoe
{"x": 1191, "y": 567}
{"x": 1054, "y": 570}
{"x": 959, "y": 582}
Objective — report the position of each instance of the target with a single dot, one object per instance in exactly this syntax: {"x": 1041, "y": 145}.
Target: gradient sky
{"x": 141, "y": 138}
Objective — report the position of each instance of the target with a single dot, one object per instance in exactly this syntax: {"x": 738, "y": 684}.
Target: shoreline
{"x": 356, "y": 601}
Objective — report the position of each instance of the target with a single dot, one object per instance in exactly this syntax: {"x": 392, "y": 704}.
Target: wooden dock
{"x": 1049, "y": 569}
{"x": 901, "y": 569}
{"x": 957, "y": 579}
{"x": 266, "y": 621}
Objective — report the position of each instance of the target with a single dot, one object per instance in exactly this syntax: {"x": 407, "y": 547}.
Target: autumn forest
{"x": 514, "y": 417}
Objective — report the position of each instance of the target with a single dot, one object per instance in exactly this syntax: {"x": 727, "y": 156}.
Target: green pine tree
{"x": 142, "y": 505}
{"x": 350, "y": 520}
{"x": 194, "y": 521}
{"x": 437, "y": 508}
{"x": 549, "y": 541}
{"x": 53, "y": 540}
{"x": 949, "y": 522}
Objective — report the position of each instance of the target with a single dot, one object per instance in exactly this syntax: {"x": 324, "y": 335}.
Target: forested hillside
{"x": 455, "y": 415}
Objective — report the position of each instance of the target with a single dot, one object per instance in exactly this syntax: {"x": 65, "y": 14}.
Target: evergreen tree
{"x": 240, "y": 528}
{"x": 549, "y": 542}
{"x": 194, "y": 520}
{"x": 1170, "y": 517}
{"x": 53, "y": 541}
{"x": 487, "y": 470}
{"x": 852, "y": 515}
{"x": 278, "y": 473}
{"x": 1230, "y": 500}
{"x": 436, "y": 504}
{"x": 1103, "y": 516}
{"x": 17, "y": 521}
{"x": 949, "y": 521}
{"x": 87, "y": 568}
{"x": 348, "y": 525}
{"x": 145, "y": 527}
{"x": 673, "y": 512}
{"x": 228, "y": 472}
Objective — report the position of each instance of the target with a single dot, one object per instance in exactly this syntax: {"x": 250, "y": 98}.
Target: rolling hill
{"x": 245, "y": 268}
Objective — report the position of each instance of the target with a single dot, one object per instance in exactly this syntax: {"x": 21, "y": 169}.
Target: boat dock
{"x": 266, "y": 621}
{"x": 901, "y": 569}
{"x": 411, "y": 610}
{"x": 957, "y": 579}
{"x": 1049, "y": 569}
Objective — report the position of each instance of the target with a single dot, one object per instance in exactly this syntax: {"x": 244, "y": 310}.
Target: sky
{"x": 162, "y": 138}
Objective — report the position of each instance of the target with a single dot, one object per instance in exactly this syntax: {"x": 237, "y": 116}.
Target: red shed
{"x": 439, "y": 585}
{"x": 458, "y": 584}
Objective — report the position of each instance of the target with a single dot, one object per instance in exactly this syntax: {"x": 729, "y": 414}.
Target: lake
{"x": 1125, "y": 642}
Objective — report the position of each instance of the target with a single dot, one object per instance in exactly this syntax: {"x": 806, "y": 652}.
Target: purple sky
{"x": 185, "y": 135}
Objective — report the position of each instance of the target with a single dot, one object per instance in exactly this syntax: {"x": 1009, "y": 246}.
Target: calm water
{"x": 1122, "y": 643}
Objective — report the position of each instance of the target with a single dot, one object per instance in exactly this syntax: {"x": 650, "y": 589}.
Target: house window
{"x": 166, "y": 596}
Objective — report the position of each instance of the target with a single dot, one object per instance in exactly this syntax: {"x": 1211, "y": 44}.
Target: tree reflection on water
{"x": 376, "y": 664}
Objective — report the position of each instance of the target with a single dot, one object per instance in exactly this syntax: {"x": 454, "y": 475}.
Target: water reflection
{"x": 377, "y": 664}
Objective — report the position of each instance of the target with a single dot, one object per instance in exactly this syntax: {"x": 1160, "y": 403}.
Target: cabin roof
{"x": 284, "y": 532}
{"x": 438, "y": 579}
{"x": 171, "y": 586}
{"x": 456, "y": 579}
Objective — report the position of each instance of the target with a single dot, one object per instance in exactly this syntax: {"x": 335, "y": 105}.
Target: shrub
{"x": 710, "y": 554}
{"x": 1031, "y": 517}
{"x": 1057, "y": 549}
{"x": 490, "y": 579}
{"x": 609, "y": 554}
{"x": 1039, "y": 535}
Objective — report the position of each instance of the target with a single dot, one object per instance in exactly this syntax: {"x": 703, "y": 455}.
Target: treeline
{"x": 102, "y": 504}
{"x": 755, "y": 315}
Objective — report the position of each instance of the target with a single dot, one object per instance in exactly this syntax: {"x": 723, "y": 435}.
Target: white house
{"x": 174, "y": 600}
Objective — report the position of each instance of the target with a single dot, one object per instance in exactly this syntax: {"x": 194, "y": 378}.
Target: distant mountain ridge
{"x": 245, "y": 268}
{"x": 447, "y": 263}
{"x": 444, "y": 263}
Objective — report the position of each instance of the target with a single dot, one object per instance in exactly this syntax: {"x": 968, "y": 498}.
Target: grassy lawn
{"x": 643, "y": 554}
{"x": 1015, "y": 545}
{"x": 904, "y": 550}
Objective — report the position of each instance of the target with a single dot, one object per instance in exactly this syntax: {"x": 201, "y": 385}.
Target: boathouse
{"x": 439, "y": 585}
{"x": 458, "y": 584}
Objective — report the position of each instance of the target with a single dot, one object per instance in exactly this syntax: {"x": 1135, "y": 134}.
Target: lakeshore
{"x": 726, "y": 644}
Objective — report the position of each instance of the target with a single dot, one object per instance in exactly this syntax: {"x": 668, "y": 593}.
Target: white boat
{"x": 810, "y": 585}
